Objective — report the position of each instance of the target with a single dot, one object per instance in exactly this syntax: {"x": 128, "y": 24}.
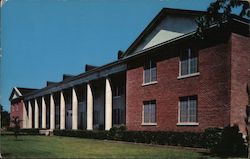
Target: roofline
{"x": 138, "y": 53}
{"x": 108, "y": 65}
{"x": 77, "y": 76}
{"x": 162, "y": 14}
{"x": 156, "y": 19}
{"x": 18, "y": 92}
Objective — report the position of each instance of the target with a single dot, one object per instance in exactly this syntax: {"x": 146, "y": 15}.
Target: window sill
{"x": 149, "y": 83}
{"x": 189, "y": 75}
{"x": 149, "y": 124}
{"x": 187, "y": 124}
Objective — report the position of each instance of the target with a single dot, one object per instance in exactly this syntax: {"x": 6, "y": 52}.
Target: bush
{"x": 227, "y": 142}
{"x": 26, "y": 131}
{"x": 116, "y": 133}
{"x": 231, "y": 143}
{"x": 211, "y": 137}
{"x": 164, "y": 138}
{"x": 82, "y": 134}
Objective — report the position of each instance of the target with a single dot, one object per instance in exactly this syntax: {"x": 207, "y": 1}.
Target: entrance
{"x": 69, "y": 119}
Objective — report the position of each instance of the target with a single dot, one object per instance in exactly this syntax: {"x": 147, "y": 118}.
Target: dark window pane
{"x": 146, "y": 114}
{"x": 153, "y": 74}
{"x": 153, "y": 113}
{"x": 184, "y": 64}
{"x": 192, "y": 110}
{"x": 147, "y": 76}
{"x": 193, "y": 65}
{"x": 184, "y": 111}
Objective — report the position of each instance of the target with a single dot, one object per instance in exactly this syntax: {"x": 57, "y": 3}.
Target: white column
{"x": 74, "y": 109}
{"x": 25, "y": 118}
{"x": 62, "y": 111}
{"x": 43, "y": 113}
{"x": 36, "y": 114}
{"x": 52, "y": 112}
{"x": 89, "y": 108}
{"x": 108, "y": 105}
{"x": 30, "y": 115}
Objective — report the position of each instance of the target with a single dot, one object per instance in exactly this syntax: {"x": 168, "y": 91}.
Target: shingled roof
{"x": 20, "y": 92}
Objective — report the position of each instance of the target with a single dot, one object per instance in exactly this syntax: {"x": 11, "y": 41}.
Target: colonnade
{"x": 74, "y": 102}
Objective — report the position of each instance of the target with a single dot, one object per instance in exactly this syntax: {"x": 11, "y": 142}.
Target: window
{"x": 96, "y": 117}
{"x": 149, "y": 112}
{"x": 189, "y": 62}
{"x": 118, "y": 116}
{"x": 150, "y": 72}
{"x": 118, "y": 91}
{"x": 188, "y": 109}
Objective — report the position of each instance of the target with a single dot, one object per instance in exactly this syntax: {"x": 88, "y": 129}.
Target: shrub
{"x": 220, "y": 141}
{"x": 116, "y": 133}
{"x": 211, "y": 137}
{"x": 26, "y": 131}
{"x": 82, "y": 134}
{"x": 231, "y": 143}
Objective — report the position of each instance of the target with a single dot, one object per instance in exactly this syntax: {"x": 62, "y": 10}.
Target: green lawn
{"x": 68, "y": 147}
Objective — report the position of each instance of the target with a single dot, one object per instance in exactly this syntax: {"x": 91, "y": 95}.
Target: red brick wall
{"x": 211, "y": 86}
{"x": 14, "y": 111}
{"x": 240, "y": 65}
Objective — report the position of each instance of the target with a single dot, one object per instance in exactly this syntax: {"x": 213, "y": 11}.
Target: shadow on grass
{"x": 214, "y": 155}
{"x": 208, "y": 154}
{"x": 5, "y": 155}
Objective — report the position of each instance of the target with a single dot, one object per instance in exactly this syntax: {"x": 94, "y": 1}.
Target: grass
{"x": 69, "y": 147}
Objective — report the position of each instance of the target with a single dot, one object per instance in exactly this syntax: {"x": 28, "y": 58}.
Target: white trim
{"x": 187, "y": 124}
{"x": 188, "y": 75}
{"x": 149, "y": 124}
{"x": 18, "y": 92}
{"x": 149, "y": 83}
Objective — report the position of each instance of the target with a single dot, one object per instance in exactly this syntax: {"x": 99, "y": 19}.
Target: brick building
{"x": 168, "y": 80}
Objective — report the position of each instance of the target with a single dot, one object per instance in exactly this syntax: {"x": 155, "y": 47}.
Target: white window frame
{"x": 179, "y": 114}
{"x": 152, "y": 124}
{"x": 150, "y": 67}
{"x": 189, "y": 66}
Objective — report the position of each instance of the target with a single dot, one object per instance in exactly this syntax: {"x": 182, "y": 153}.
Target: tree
{"x": 219, "y": 12}
{"x": 5, "y": 117}
{"x": 16, "y": 122}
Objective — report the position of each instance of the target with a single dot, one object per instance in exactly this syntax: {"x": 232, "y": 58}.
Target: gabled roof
{"x": 18, "y": 92}
{"x": 236, "y": 23}
{"x": 162, "y": 14}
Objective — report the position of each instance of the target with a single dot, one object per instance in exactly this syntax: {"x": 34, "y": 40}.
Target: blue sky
{"x": 44, "y": 39}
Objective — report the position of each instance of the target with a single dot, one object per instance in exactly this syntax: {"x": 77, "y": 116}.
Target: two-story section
{"x": 167, "y": 80}
{"x": 178, "y": 82}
